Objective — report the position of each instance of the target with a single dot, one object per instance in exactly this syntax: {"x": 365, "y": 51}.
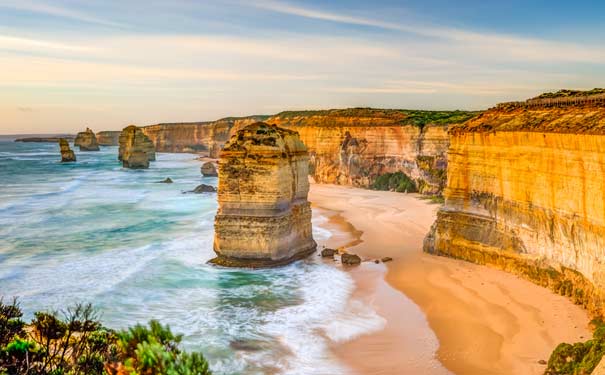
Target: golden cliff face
{"x": 264, "y": 218}
{"x": 205, "y": 137}
{"x": 108, "y": 137}
{"x": 526, "y": 193}
{"x": 355, "y": 148}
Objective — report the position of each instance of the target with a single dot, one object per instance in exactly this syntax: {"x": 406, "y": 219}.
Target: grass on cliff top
{"x": 402, "y": 116}
{"x": 570, "y": 93}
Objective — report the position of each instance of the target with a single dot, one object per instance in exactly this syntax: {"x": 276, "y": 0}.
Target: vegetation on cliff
{"x": 399, "y": 116}
{"x": 398, "y": 182}
{"x": 570, "y": 93}
{"x": 74, "y": 342}
{"x": 580, "y": 358}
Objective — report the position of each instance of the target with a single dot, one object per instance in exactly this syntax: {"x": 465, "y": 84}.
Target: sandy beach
{"x": 442, "y": 315}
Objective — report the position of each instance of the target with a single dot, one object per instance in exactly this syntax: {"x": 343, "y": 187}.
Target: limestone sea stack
{"x": 264, "y": 218}
{"x": 87, "y": 141}
{"x": 67, "y": 154}
{"x": 209, "y": 169}
{"x": 136, "y": 150}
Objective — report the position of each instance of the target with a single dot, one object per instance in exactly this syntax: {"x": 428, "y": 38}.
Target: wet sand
{"x": 442, "y": 315}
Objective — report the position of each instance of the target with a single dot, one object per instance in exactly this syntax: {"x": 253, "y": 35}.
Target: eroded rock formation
{"x": 526, "y": 193}
{"x": 67, "y": 154}
{"x": 355, "y": 146}
{"x": 108, "y": 138}
{"x": 87, "y": 141}
{"x": 136, "y": 150}
{"x": 348, "y": 146}
{"x": 209, "y": 169}
{"x": 264, "y": 218}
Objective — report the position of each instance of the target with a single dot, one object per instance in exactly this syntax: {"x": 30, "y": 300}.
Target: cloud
{"x": 28, "y": 44}
{"x": 57, "y": 11}
{"x": 513, "y": 47}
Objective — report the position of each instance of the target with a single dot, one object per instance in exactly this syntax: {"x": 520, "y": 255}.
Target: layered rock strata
{"x": 347, "y": 146}
{"x": 67, "y": 154}
{"x": 136, "y": 150}
{"x": 87, "y": 141}
{"x": 264, "y": 218}
{"x": 197, "y": 137}
{"x": 526, "y": 193}
{"x": 355, "y": 146}
{"x": 108, "y": 138}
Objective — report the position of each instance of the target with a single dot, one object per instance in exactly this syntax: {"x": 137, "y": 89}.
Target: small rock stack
{"x": 87, "y": 141}
{"x": 67, "y": 154}
{"x": 264, "y": 218}
{"x": 108, "y": 137}
{"x": 136, "y": 150}
{"x": 209, "y": 169}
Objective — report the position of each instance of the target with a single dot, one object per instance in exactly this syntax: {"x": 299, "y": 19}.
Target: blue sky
{"x": 65, "y": 65}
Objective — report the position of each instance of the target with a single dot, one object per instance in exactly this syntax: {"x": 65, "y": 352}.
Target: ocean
{"x": 137, "y": 250}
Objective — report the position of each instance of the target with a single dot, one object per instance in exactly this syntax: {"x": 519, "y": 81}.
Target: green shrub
{"x": 75, "y": 343}
{"x": 580, "y": 358}
{"x": 398, "y": 182}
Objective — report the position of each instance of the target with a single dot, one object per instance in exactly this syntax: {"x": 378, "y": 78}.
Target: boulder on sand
{"x": 350, "y": 259}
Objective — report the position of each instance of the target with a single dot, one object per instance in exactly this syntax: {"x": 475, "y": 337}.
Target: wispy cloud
{"x": 28, "y": 44}
{"x": 480, "y": 42}
{"x": 57, "y": 11}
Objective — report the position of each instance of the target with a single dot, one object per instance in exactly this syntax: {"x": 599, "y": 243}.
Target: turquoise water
{"x": 94, "y": 232}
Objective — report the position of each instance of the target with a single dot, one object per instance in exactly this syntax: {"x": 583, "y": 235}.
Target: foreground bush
{"x": 76, "y": 343}
{"x": 579, "y": 358}
{"x": 398, "y": 182}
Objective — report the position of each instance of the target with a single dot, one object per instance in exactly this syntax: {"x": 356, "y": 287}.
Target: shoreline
{"x": 486, "y": 321}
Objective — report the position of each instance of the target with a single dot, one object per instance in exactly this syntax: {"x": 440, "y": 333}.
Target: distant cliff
{"x": 355, "y": 146}
{"x": 526, "y": 193}
{"x": 108, "y": 137}
{"x": 348, "y": 146}
{"x": 204, "y": 137}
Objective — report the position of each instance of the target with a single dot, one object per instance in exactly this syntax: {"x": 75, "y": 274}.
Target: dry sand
{"x": 442, "y": 315}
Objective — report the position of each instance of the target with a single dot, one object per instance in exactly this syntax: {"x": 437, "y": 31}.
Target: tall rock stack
{"x": 136, "y": 150}
{"x": 264, "y": 218}
{"x": 87, "y": 141}
{"x": 67, "y": 154}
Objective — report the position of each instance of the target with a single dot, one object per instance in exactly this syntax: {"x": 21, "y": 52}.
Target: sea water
{"x": 137, "y": 249}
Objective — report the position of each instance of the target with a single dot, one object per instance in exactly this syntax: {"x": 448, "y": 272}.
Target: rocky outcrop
{"x": 108, "y": 138}
{"x": 264, "y": 218}
{"x": 67, "y": 154}
{"x": 87, "y": 141}
{"x": 136, "y": 150}
{"x": 356, "y": 146}
{"x": 209, "y": 169}
{"x": 197, "y": 137}
{"x": 526, "y": 193}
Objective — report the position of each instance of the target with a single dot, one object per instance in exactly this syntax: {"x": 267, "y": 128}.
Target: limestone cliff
{"x": 203, "y": 137}
{"x": 526, "y": 193}
{"x": 264, "y": 217}
{"x": 136, "y": 150}
{"x": 355, "y": 146}
{"x": 87, "y": 141}
{"x": 108, "y": 138}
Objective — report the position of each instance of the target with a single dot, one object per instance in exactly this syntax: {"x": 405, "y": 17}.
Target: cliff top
{"x": 579, "y": 119}
{"x": 264, "y": 137}
{"x": 387, "y": 116}
{"x": 227, "y": 119}
{"x": 565, "y": 93}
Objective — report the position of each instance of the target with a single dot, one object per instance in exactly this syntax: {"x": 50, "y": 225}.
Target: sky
{"x": 65, "y": 65}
